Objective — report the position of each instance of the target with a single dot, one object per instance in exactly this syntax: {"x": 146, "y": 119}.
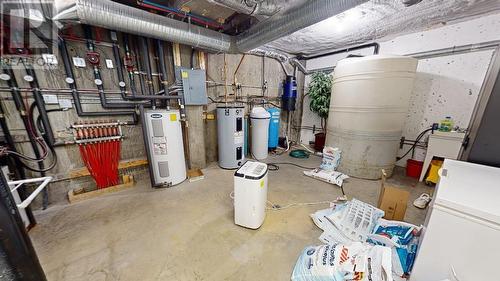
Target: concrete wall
{"x": 202, "y": 132}
{"x": 445, "y": 86}
{"x": 250, "y": 76}
{"x": 69, "y": 155}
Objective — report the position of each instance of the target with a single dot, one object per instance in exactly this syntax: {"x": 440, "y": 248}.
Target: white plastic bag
{"x": 331, "y": 158}
{"x": 332, "y": 177}
{"x": 402, "y": 238}
{"x": 338, "y": 262}
{"x": 348, "y": 222}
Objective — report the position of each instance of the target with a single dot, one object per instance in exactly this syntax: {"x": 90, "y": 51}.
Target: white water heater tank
{"x": 250, "y": 194}
{"x": 259, "y": 118}
{"x": 165, "y": 147}
{"x": 368, "y": 108}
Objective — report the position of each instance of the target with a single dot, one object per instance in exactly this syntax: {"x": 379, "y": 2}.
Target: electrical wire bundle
{"x": 39, "y": 140}
{"x": 100, "y": 147}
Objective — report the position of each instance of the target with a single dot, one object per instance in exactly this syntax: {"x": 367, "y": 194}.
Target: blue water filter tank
{"x": 274, "y": 127}
{"x": 289, "y": 97}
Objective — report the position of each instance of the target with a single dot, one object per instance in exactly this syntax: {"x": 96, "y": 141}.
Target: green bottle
{"x": 446, "y": 124}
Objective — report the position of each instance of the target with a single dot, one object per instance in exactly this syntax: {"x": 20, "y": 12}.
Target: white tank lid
{"x": 260, "y": 113}
{"x": 375, "y": 64}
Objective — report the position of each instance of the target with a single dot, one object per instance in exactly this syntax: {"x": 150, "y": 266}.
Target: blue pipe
{"x": 175, "y": 10}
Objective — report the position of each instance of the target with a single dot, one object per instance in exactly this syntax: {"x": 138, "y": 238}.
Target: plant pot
{"x": 319, "y": 141}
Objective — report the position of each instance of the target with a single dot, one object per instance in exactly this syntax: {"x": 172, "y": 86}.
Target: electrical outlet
{"x": 49, "y": 59}
{"x": 109, "y": 63}
{"x": 79, "y": 62}
{"x": 50, "y": 99}
{"x": 208, "y": 116}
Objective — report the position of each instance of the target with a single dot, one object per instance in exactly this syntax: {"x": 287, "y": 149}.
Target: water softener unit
{"x": 274, "y": 127}
{"x": 289, "y": 97}
{"x": 231, "y": 136}
{"x": 259, "y": 118}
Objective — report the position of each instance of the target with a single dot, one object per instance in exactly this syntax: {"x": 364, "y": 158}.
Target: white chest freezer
{"x": 250, "y": 194}
{"x": 462, "y": 228}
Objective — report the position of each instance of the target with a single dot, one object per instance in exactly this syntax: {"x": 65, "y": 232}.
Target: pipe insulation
{"x": 309, "y": 13}
{"x": 269, "y": 53}
{"x": 262, "y": 8}
{"x": 115, "y": 16}
{"x": 374, "y": 20}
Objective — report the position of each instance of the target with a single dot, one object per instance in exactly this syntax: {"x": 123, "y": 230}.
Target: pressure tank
{"x": 259, "y": 119}
{"x": 368, "y": 107}
{"x": 289, "y": 97}
{"x": 274, "y": 127}
{"x": 231, "y": 136}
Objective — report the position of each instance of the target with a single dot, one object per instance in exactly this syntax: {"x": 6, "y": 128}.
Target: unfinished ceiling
{"x": 296, "y": 27}
{"x": 367, "y": 22}
{"x": 377, "y": 19}
{"x": 261, "y": 9}
{"x": 204, "y": 8}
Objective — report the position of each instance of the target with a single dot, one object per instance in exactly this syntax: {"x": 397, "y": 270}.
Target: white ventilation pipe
{"x": 112, "y": 15}
{"x": 115, "y": 16}
{"x": 293, "y": 20}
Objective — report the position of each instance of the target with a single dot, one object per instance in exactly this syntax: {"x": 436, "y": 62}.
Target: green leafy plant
{"x": 320, "y": 90}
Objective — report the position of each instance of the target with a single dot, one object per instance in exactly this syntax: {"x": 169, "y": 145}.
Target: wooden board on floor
{"x": 83, "y": 172}
{"x": 195, "y": 175}
{"x": 73, "y": 198}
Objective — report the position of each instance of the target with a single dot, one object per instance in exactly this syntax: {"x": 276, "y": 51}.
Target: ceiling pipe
{"x": 262, "y": 8}
{"x": 281, "y": 25}
{"x": 281, "y": 57}
{"x": 196, "y": 18}
{"x": 115, "y": 16}
{"x": 374, "y": 45}
{"x": 297, "y": 63}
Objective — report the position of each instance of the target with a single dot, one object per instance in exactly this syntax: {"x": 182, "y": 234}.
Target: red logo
{"x": 344, "y": 255}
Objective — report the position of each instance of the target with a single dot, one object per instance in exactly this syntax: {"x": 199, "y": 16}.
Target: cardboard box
{"x": 392, "y": 200}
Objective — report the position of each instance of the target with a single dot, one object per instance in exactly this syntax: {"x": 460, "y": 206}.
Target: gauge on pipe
{"x": 93, "y": 58}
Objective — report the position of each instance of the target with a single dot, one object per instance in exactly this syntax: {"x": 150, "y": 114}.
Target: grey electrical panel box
{"x": 194, "y": 87}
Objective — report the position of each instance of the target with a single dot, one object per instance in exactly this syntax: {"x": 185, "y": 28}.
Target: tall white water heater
{"x": 165, "y": 147}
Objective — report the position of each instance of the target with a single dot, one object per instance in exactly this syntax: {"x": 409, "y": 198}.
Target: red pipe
{"x": 218, "y": 26}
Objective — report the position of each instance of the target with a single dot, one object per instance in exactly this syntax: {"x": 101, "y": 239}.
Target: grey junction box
{"x": 194, "y": 87}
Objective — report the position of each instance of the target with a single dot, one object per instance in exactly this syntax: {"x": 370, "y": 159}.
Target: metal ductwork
{"x": 270, "y": 53}
{"x": 293, "y": 20}
{"x": 115, "y": 16}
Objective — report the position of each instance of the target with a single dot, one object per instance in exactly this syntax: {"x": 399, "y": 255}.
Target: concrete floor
{"x": 187, "y": 232}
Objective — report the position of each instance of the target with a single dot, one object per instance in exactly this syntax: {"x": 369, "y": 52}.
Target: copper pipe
{"x": 236, "y": 71}
{"x": 225, "y": 78}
